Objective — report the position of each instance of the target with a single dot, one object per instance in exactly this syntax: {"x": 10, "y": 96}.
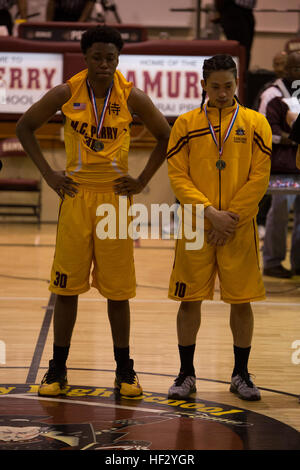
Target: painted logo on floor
{"x": 92, "y": 418}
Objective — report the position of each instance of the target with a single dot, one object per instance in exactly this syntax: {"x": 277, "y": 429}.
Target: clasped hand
{"x": 224, "y": 224}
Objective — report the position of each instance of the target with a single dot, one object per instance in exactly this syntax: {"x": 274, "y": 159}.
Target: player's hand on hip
{"x": 61, "y": 184}
{"x": 126, "y": 186}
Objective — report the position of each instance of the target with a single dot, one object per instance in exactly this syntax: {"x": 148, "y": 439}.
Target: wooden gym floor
{"x": 26, "y": 308}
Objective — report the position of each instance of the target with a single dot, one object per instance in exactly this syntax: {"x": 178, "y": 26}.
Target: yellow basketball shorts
{"x": 80, "y": 254}
{"x": 236, "y": 263}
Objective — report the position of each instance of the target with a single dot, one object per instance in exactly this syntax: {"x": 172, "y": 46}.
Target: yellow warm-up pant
{"x": 236, "y": 263}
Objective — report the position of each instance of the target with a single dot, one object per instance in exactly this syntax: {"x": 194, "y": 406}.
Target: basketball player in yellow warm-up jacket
{"x": 219, "y": 157}
{"x": 97, "y": 104}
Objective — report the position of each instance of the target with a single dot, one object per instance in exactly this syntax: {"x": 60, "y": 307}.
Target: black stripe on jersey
{"x": 255, "y": 243}
{"x": 268, "y": 149}
{"x": 190, "y": 135}
{"x": 186, "y": 137}
{"x": 267, "y": 152}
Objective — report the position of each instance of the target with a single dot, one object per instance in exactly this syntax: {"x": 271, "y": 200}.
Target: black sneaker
{"x": 54, "y": 382}
{"x": 278, "y": 271}
{"x": 127, "y": 382}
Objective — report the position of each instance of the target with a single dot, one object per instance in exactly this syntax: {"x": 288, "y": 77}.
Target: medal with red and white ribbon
{"x": 98, "y": 145}
{"x": 221, "y": 164}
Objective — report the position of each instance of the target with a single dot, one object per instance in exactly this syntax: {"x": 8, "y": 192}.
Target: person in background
{"x": 284, "y": 165}
{"x": 279, "y": 61}
{"x": 293, "y": 120}
{"x": 237, "y": 20}
{"x": 266, "y": 93}
{"x": 276, "y": 87}
{"x": 5, "y": 15}
{"x": 69, "y": 10}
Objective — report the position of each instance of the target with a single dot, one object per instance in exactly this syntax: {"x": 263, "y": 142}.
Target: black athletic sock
{"x": 60, "y": 355}
{"x": 241, "y": 356}
{"x": 186, "y": 354}
{"x": 121, "y": 357}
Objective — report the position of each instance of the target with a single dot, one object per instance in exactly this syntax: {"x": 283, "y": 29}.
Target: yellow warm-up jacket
{"x": 192, "y": 156}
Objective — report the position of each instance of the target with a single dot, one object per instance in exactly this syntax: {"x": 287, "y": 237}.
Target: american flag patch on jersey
{"x": 79, "y": 105}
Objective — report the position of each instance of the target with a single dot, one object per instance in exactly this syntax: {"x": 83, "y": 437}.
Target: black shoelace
{"x": 128, "y": 376}
{"x": 247, "y": 378}
{"x": 180, "y": 379}
{"x": 54, "y": 375}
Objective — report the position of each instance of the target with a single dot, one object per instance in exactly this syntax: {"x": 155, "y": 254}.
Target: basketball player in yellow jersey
{"x": 97, "y": 104}
{"x": 219, "y": 156}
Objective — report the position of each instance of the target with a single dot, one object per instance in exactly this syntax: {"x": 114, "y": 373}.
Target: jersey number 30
{"x": 61, "y": 280}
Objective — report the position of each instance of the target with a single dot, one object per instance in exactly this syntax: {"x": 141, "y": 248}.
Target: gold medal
{"x": 220, "y": 164}
{"x": 98, "y": 146}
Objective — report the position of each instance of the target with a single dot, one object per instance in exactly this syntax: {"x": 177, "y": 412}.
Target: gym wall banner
{"x": 26, "y": 77}
{"x": 172, "y": 82}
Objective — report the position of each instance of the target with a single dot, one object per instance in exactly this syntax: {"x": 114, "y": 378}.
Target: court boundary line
{"x": 156, "y": 374}
{"x": 41, "y": 341}
{"x": 156, "y": 301}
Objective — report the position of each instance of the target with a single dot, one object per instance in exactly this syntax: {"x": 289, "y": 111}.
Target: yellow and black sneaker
{"x": 127, "y": 382}
{"x": 54, "y": 382}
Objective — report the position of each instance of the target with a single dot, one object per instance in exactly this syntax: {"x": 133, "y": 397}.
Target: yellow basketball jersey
{"x": 84, "y": 163}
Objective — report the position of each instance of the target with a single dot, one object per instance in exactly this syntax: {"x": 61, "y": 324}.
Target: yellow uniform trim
{"x": 192, "y": 156}
{"x": 84, "y": 163}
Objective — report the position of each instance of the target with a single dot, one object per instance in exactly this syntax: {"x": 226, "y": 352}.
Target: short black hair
{"x": 104, "y": 34}
{"x": 215, "y": 63}
{"x": 219, "y": 62}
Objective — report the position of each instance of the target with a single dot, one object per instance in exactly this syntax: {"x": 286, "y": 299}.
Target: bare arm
{"x": 34, "y": 118}
{"x": 140, "y": 104}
